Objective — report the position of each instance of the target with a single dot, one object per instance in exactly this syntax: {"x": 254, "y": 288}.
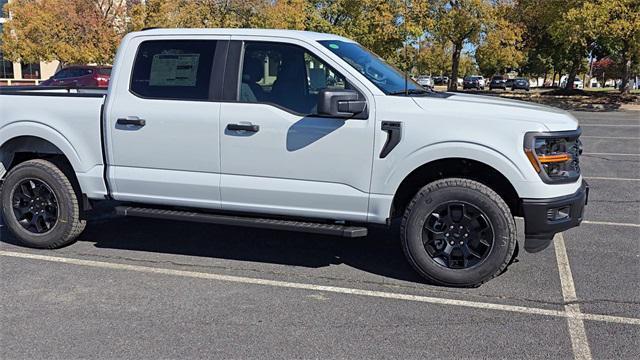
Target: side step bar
{"x": 307, "y": 227}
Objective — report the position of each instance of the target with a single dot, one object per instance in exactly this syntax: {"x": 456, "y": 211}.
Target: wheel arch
{"x": 27, "y": 147}
{"x": 460, "y": 167}
{"x": 34, "y": 138}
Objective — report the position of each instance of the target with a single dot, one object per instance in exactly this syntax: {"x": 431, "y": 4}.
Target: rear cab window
{"x": 173, "y": 69}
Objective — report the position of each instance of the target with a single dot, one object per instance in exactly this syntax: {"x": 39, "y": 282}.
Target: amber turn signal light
{"x": 532, "y": 159}
{"x": 559, "y": 158}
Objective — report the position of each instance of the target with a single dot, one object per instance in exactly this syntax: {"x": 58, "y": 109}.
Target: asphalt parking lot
{"x": 142, "y": 288}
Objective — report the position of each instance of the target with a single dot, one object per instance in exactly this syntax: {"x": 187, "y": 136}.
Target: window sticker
{"x": 174, "y": 70}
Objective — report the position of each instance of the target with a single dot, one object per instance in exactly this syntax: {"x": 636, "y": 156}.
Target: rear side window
{"x": 62, "y": 74}
{"x": 173, "y": 69}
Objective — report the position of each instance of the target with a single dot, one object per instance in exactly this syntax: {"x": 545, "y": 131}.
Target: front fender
{"x": 454, "y": 149}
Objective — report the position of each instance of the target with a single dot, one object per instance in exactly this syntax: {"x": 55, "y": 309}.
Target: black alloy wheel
{"x": 458, "y": 235}
{"x": 35, "y": 206}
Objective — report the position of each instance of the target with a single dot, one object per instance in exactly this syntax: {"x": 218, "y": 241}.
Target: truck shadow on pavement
{"x": 379, "y": 253}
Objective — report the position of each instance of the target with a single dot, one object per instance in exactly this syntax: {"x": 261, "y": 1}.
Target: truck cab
{"x": 291, "y": 130}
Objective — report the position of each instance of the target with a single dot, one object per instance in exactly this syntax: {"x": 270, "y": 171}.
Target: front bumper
{"x": 539, "y": 225}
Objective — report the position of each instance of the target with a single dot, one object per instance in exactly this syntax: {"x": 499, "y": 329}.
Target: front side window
{"x": 285, "y": 75}
{"x": 173, "y": 69}
{"x": 384, "y": 76}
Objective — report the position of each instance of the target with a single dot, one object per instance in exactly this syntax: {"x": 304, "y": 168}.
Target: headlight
{"x": 555, "y": 155}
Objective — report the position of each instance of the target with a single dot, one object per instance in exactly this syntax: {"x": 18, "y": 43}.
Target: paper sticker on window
{"x": 174, "y": 70}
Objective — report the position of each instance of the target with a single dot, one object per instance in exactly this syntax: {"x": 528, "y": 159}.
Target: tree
{"x": 199, "y": 13}
{"x": 82, "y": 31}
{"x": 434, "y": 58}
{"x": 375, "y": 24}
{"x": 459, "y": 22}
{"x": 576, "y": 32}
{"x": 621, "y": 34}
{"x": 501, "y": 46}
{"x": 544, "y": 52}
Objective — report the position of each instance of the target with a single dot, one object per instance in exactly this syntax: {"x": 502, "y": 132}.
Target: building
{"x": 18, "y": 73}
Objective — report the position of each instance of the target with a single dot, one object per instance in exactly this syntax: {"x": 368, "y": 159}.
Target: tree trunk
{"x": 553, "y": 79}
{"x": 572, "y": 75}
{"x": 624, "y": 86}
{"x": 455, "y": 62}
{"x": 544, "y": 81}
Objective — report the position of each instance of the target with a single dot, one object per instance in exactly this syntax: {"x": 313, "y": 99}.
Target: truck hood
{"x": 493, "y": 107}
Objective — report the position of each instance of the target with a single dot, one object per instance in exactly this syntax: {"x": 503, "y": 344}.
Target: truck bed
{"x": 69, "y": 119}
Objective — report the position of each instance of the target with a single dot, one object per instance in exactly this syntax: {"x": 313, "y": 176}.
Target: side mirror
{"x": 341, "y": 104}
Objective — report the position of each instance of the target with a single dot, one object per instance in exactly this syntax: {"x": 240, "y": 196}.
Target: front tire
{"x": 458, "y": 232}
{"x": 40, "y": 206}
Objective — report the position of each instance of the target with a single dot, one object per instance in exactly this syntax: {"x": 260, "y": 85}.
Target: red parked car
{"x": 80, "y": 76}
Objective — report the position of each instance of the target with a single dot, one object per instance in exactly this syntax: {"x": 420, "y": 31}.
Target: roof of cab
{"x": 296, "y": 34}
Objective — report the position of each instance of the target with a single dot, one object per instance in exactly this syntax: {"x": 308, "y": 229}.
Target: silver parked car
{"x": 425, "y": 81}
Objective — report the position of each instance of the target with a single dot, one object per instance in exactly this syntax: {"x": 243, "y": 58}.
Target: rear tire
{"x": 458, "y": 232}
{"x": 40, "y": 206}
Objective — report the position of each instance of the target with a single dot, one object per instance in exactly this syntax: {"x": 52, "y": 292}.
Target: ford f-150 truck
{"x": 294, "y": 131}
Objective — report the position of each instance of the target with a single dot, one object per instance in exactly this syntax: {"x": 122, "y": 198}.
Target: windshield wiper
{"x": 410, "y": 92}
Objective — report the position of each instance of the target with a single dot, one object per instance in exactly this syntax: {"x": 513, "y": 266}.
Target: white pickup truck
{"x": 290, "y": 130}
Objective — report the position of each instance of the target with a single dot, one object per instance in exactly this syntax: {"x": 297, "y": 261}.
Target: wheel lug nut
{"x": 447, "y": 234}
{"x": 451, "y": 227}
{"x": 465, "y": 235}
{"x": 461, "y": 242}
{"x": 451, "y": 243}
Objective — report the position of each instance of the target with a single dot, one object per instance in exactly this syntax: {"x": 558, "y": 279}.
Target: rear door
{"x": 163, "y": 122}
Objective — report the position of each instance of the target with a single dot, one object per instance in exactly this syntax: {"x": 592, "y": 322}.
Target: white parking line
{"x": 577, "y": 332}
{"x": 610, "y": 223}
{"x": 610, "y": 125}
{"x": 610, "y": 137}
{"x": 331, "y": 289}
{"x": 610, "y": 154}
{"x": 610, "y": 178}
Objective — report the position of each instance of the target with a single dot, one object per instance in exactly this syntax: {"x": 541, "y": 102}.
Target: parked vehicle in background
{"x": 577, "y": 83}
{"x": 80, "y": 76}
{"x": 498, "y": 82}
{"x": 425, "y": 81}
{"x": 508, "y": 83}
{"x": 473, "y": 82}
{"x": 520, "y": 84}
{"x": 291, "y": 130}
{"x": 441, "y": 80}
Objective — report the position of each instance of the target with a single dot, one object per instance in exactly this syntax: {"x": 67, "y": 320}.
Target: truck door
{"x": 277, "y": 155}
{"x": 163, "y": 122}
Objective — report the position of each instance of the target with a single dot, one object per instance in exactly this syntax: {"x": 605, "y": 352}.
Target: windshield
{"x": 386, "y": 77}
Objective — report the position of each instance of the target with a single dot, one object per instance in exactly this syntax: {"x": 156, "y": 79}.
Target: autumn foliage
{"x": 449, "y": 37}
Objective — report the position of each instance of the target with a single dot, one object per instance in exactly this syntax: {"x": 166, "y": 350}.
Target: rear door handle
{"x": 131, "y": 121}
{"x": 245, "y": 127}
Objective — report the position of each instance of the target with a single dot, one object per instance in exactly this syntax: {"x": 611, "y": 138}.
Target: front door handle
{"x": 131, "y": 121}
{"x": 244, "y": 127}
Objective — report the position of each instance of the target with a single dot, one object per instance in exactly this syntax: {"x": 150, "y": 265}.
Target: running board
{"x": 307, "y": 227}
